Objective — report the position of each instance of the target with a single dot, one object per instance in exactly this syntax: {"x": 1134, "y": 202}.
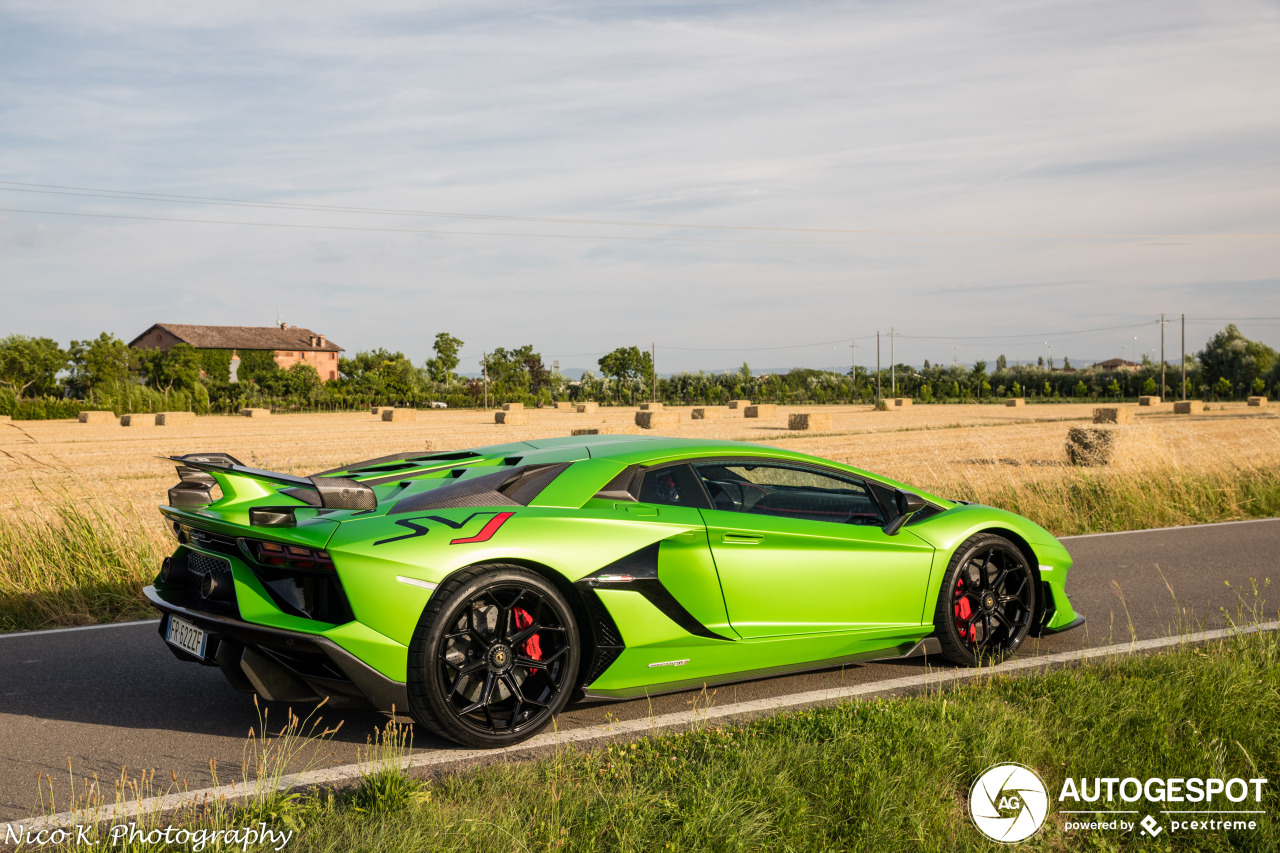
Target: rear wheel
{"x": 986, "y": 603}
{"x": 493, "y": 657}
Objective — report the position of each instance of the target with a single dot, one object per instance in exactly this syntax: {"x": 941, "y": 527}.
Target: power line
{"x": 458, "y": 233}
{"x": 131, "y": 195}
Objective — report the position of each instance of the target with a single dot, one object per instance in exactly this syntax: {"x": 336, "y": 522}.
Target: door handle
{"x": 741, "y": 539}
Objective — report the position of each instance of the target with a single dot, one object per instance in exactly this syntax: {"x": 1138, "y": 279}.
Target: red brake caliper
{"x": 532, "y": 647}
{"x": 962, "y": 609}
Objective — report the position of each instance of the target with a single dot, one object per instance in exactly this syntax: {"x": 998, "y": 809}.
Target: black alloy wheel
{"x": 987, "y": 602}
{"x": 494, "y": 656}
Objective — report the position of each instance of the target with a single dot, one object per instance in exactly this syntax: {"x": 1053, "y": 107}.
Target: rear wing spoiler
{"x": 198, "y": 473}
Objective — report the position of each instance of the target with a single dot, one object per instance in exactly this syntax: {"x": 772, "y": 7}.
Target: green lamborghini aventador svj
{"x": 484, "y": 589}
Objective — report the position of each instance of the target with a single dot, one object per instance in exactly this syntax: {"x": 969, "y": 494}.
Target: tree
{"x": 1001, "y": 362}
{"x": 1113, "y": 389}
{"x": 98, "y": 364}
{"x": 1231, "y": 356}
{"x": 1066, "y": 363}
{"x": 1082, "y": 390}
{"x": 1040, "y": 361}
{"x": 1149, "y": 387}
{"x": 626, "y": 364}
{"x": 30, "y": 364}
{"x": 1017, "y": 390}
{"x": 177, "y": 368}
{"x": 260, "y": 365}
{"x": 442, "y": 366}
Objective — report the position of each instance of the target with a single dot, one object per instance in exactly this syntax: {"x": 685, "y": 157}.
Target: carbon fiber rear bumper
{"x": 283, "y": 666}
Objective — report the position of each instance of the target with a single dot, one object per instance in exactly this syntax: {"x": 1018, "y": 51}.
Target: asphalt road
{"x": 113, "y": 700}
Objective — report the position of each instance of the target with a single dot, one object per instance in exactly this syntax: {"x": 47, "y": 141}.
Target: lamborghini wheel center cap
{"x": 500, "y": 658}
{"x": 989, "y": 601}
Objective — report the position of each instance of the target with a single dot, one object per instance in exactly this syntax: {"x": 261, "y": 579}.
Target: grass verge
{"x": 85, "y": 563}
{"x": 881, "y": 775}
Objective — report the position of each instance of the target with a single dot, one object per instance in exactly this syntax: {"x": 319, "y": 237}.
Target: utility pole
{"x": 893, "y": 369}
{"x": 484, "y": 363}
{"x": 1184, "y": 357}
{"x": 853, "y": 357}
{"x": 1162, "y": 356}
{"x": 877, "y": 365}
{"x": 653, "y": 370}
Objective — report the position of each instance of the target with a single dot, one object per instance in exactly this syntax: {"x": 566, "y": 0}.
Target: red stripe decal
{"x": 487, "y": 531}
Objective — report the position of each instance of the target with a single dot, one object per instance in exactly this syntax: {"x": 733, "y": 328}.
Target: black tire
{"x": 494, "y": 657}
{"x": 987, "y": 602}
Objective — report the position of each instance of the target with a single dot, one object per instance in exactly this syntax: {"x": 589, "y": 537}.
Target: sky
{"x": 728, "y": 181}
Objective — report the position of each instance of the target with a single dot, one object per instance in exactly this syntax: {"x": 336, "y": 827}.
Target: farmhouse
{"x": 1116, "y": 364}
{"x": 289, "y": 343}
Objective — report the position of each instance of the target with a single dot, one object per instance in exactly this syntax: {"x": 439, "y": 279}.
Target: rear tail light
{"x": 282, "y": 556}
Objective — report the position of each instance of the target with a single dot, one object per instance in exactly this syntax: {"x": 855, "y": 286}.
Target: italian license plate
{"x": 186, "y": 636}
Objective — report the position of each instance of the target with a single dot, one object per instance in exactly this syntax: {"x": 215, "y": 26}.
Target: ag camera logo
{"x": 1008, "y": 803}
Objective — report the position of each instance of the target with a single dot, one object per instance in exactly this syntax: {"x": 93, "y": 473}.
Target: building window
{"x": 332, "y": 375}
{"x": 332, "y": 356}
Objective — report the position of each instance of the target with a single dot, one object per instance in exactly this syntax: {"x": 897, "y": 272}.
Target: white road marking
{"x": 79, "y": 628}
{"x": 446, "y": 758}
{"x": 1177, "y": 527}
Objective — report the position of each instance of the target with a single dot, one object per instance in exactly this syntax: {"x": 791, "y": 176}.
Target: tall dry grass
{"x": 83, "y": 563}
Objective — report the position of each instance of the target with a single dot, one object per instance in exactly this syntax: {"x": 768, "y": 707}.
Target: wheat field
{"x": 939, "y": 447}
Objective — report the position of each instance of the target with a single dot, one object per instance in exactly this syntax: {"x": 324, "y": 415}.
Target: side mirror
{"x": 908, "y": 505}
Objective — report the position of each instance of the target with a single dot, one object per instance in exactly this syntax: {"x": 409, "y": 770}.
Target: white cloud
{"x": 1048, "y": 117}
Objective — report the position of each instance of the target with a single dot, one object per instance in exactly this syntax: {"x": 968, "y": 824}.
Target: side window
{"x": 674, "y": 485}
{"x": 789, "y": 492}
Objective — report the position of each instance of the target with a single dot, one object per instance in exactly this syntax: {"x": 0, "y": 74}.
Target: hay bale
{"x": 739, "y": 404}
{"x": 588, "y": 408}
{"x": 97, "y": 418}
{"x": 400, "y": 415}
{"x": 378, "y": 411}
{"x": 515, "y": 417}
{"x": 600, "y": 430}
{"x": 255, "y": 413}
{"x": 1149, "y": 400}
{"x": 512, "y": 407}
{"x": 761, "y": 410}
{"x": 658, "y": 420}
{"x": 137, "y": 420}
{"x": 1257, "y": 401}
{"x": 1112, "y": 415}
{"x": 175, "y": 418}
{"x": 5, "y": 419}
{"x": 650, "y": 407}
{"x": 809, "y": 420}
{"x": 1182, "y": 407}
{"x": 1091, "y": 445}
{"x": 902, "y": 401}
{"x": 1015, "y": 402}
{"x": 707, "y": 413}
{"x": 566, "y": 406}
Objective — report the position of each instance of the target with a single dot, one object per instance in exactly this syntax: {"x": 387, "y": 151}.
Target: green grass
{"x": 879, "y": 775}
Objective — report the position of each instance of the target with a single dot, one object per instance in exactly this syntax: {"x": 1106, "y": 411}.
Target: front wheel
{"x": 493, "y": 657}
{"x": 986, "y": 602}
